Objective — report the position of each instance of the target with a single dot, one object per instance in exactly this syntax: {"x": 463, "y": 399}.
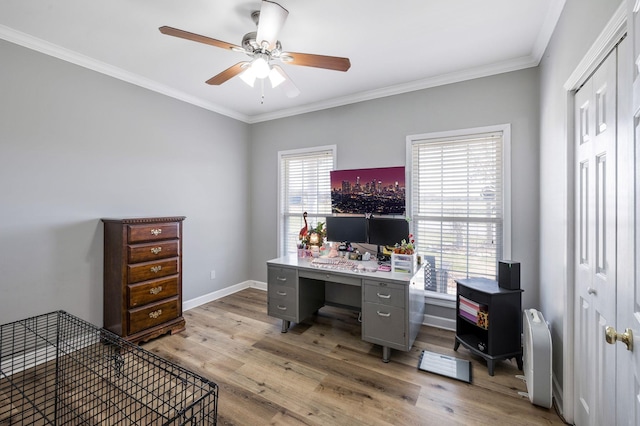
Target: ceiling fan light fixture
{"x": 248, "y": 76}
{"x": 275, "y": 77}
{"x": 260, "y": 66}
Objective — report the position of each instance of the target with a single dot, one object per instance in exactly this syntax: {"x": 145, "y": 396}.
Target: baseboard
{"x": 215, "y": 295}
{"x": 439, "y": 322}
{"x": 557, "y": 395}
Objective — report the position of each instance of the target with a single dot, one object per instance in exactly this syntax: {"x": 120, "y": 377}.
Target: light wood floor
{"x": 322, "y": 373}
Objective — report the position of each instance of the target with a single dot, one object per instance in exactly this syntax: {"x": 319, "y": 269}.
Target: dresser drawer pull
{"x": 384, "y": 314}
{"x": 384, "y": 296}
{"x": 282, "y": 308}
{"x": 156, "y": 231}
{"x": 156, "y": 250}
{"x": 281, "y": 293}
{"x": 281, "y": 279}
{"x": 155, "y": 314}
{"x": 156, "y": 269}
{"x": 155, "y": 290}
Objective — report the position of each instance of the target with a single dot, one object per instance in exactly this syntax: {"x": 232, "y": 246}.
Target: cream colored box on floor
{"x": 405, "y": 263}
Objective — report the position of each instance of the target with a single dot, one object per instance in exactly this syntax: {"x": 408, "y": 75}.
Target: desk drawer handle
{"x": 281, "y": 278}
{"x": 384, "y": 314}
{"x": 281, "y": 293}
{"x": 282, "y": 308}
{"x": 156, "y": 250}
{"x": 156, "y": 231}
{"x": 155, "y": 314}
{"x": 156, "y": 269}
{"x": 384, "y": 296}
{"x": 155, "y": 290}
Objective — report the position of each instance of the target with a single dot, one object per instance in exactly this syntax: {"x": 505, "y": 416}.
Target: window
{"x": 458, "y": 203}
{"x": 304, "y": 186}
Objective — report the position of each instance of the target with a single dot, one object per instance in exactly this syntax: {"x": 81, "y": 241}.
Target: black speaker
{"x": 509, "y": 274}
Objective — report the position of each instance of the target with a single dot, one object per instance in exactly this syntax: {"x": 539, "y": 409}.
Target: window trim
{"x": 506, "y": 178}
{"x": 280, "y": 201}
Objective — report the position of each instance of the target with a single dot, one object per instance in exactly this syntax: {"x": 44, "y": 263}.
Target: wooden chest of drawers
{"x": 143, "y": 277}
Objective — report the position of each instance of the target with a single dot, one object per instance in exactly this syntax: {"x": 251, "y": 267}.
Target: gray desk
{"x": 391, "y": 304}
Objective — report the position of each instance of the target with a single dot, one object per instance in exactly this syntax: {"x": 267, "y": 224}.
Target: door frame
{"x": 615, "y": 29}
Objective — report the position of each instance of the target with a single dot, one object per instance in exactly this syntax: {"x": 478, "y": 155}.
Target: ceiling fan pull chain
{"x": 262, "y": 90}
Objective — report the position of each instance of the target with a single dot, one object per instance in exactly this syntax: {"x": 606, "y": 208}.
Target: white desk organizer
{"x": 404, "y": 263}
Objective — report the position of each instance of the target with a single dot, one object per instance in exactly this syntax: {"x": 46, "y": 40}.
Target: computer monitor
{"x": 387, "y": 231}
{"x": 342, "y": 229}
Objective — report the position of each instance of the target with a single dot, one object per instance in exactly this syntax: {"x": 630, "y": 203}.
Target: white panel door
{"x": 595, "y": 245}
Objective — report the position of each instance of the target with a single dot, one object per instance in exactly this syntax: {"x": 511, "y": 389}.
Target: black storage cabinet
{"x": 502, "y": 339}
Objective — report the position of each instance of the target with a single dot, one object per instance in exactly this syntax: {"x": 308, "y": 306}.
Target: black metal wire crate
{"x": 56, "y": 369}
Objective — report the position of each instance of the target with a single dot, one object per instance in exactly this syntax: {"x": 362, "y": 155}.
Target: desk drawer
{"x": 385, "y": 324}
{"x": 384, "y": 293}
{"x": 153, "y": 251}
{"x": 150, "y": 315}
{"x": 281, "y": 277}
{"x": 282, "y": 308}
{"x": 328, "y": 276}
{"x": 282, "y": 293}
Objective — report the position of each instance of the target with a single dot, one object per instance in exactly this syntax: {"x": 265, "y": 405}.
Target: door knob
{"x": 611, "y": 336}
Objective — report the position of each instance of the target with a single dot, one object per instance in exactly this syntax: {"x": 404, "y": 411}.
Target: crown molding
{"x": 440, "y": 80}
{"x": 546, "y": 31}
{"x": 42, "y": 46}
{"x": 67, "y": 55}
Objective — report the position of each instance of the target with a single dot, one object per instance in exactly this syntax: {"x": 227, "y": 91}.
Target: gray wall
{"x": 76, "y": 146}
{"x": 373, "y": 134}
{"x": 579, "y": 26}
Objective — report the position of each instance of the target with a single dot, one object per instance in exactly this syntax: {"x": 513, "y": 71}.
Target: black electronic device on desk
{"x": 347, "y": 229}
{"x": 387, "y": 232}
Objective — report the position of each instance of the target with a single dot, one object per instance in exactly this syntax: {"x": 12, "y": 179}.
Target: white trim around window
{"x": 442, "y": 137}
{"x": 313, "y": 208}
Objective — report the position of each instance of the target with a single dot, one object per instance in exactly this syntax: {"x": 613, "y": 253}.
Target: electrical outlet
{"x": 213, "y": 275}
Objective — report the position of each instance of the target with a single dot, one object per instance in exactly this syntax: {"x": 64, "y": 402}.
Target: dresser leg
{"x": 285, "y": 326}
{"x": 386, "y": 353}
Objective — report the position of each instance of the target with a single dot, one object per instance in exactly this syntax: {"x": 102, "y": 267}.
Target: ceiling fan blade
{"x": 230, "y": 72}
{"x": 318, "y": 61}
{"x": 271, "y": 21}
{"x": 290, "y": 89}
{"x": 199, "y": 38}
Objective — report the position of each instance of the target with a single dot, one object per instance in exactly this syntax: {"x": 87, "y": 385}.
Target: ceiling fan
{"x": 264, "y": 47}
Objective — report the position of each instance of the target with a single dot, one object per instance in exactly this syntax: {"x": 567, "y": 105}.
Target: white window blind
{"x": 305, "y": 186}
{"x": 457, "y": 205}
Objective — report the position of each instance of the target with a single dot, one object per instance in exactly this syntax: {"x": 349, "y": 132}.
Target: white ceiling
{"x": 394, "y": 46}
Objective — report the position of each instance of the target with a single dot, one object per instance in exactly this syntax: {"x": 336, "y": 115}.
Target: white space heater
{"x": 537, "y": 358}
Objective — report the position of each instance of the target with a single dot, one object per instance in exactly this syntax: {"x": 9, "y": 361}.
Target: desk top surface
{"x": 364, "y": 269}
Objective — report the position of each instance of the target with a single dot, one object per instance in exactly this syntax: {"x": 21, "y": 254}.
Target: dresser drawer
{"x": 153, "y": 232}
{"x": 151, "y": 291}
{"x": 281, "y": 277}
{"x": 384, "y": 293}
{"x": 148, "y": 316}
{"x": 152, "y": 270}
{"x": 152, "y": 251}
